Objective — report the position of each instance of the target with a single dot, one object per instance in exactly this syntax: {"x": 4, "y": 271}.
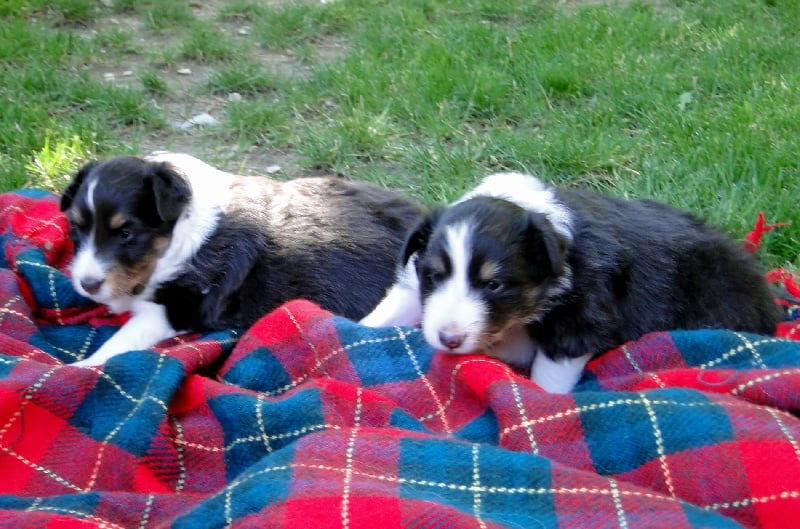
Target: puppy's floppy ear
{"x": 417, "y": 240}
{"x": 171, "y": 191}
{"x": 546, "y": 248}
{"x": 69, "y": 193}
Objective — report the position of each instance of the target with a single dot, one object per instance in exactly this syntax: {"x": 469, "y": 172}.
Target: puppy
{"x": 183, "y": 246}
{"x": 545, "y": 278}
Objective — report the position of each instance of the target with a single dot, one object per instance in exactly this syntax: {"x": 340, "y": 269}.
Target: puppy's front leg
{"x": 401, "y": 305}
{"x": 557, "y": 376}
{"x": 147, "y": 326}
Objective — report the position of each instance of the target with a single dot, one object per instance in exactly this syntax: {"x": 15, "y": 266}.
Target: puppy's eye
{"x": 436, "y": 276}
{"x": 493, "y": 286}
{"x": 78, "y": 232}
{"x": 125, "y": 235}
{"x": 77, "y": 222}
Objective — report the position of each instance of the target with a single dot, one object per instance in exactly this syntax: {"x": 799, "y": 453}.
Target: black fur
{"x": 336, "y": 246}
{"x": 634, "y": 267}
{"x": 329, "y": 240}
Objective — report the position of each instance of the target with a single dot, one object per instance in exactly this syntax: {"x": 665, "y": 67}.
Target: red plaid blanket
{"x": 309, "y": 420}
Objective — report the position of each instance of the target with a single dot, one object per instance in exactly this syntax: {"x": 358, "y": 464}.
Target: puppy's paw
{"x": 376, "y": 319}
{"x": 107, "y": 351}
{"x": 147, "y": 327}
{"x": 401, "y": 306}
{"x": 557, "y": 376}
{"x": 87, "y": 362}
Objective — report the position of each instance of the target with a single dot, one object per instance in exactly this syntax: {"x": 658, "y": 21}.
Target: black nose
{"x": 91, "y": 285}
{"x": 451, "y": 340}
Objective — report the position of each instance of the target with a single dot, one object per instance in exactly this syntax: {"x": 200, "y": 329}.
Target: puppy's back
{"x": 642, "y": 266}
{"x": 330, "y": 240}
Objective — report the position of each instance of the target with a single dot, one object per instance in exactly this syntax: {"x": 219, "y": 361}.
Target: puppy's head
{"x": 485, "y": 265}
{"x": 121, "y": 214}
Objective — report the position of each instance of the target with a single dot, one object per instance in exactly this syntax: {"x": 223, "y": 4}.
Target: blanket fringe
{"x": 752, "y": 241}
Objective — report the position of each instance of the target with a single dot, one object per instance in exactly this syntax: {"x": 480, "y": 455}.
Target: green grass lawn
{"x": 695, "y": 103}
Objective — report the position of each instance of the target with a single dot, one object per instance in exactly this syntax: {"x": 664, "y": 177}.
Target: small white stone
{"x": 184, "y": 71}
{"x": 234, "y": 97}
{"x": 204, "y": 119}
{"x": 272, "y": 169}
{"x": 200, "y": 120}
{"x": 108, "y": 76}
{"x": 127, "y": 73}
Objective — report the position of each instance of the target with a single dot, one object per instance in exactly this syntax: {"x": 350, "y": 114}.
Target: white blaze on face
{"x": 454, "y": 312}
{"x": 86, "y": 267}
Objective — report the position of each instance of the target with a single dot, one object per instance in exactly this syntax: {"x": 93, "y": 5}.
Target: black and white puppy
{"x": 545, "y": 278}
{"x": 183, "y": 246}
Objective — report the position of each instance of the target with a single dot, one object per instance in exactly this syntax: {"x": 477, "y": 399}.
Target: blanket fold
{"x": 307, "y": 419}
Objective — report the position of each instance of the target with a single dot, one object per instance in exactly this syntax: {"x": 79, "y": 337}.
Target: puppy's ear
{"x": 171, "y": 191}
{"x": 546, "y": 248}
{"x": 418, "y": 239}
{"x": 69, "y": 193}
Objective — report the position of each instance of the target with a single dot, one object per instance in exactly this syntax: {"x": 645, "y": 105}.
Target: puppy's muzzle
{"x": 92, "y": 284}
{"x": 451, "y": 340}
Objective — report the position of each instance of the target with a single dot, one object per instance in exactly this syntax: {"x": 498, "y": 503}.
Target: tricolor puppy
{"x": 186, "y": 247}
{"x": 545, "y": 278}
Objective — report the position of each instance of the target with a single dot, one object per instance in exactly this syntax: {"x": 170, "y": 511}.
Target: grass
{"x": 694, "y": 103}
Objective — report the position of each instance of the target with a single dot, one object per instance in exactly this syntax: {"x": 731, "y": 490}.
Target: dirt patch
{"x": 186, "y": 95}
{"x": 195, "y": 118}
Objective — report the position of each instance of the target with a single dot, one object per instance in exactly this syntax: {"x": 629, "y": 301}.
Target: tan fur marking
{"x": 117, "y": 221}
{"x": 160, "y": 245}
{"x": 488, "y": 270}
{"x": 76, "y": 216}
{"x": 123, "y": 281}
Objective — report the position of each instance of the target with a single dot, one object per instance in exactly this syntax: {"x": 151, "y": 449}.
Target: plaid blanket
{"x": 310, "y": 420}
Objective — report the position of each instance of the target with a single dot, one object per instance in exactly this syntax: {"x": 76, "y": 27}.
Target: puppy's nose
{"x": 91, "y": 285}
{"x": 451, "y": 340}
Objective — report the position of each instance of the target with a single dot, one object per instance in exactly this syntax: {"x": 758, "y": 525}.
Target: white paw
{"x": 86, "y": 362}
{"x": 147, "y": 327}
{"x": 398, "y": 308}
{"x": 108, "y": 350}
{"x": 557, "y": 376}
{"x": 401, "y": 306}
